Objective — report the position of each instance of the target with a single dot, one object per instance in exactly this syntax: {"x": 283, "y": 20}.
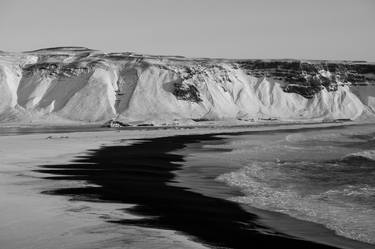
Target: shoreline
{"x": 51, "y": 151}
{"x": 201, "y": 178}
{"x": 176, "y": 130}
{"x": 227, "y": 124}
{"x": 163, "y": 205}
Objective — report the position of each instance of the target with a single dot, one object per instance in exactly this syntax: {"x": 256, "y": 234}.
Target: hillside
{"x": 74, "y": 84}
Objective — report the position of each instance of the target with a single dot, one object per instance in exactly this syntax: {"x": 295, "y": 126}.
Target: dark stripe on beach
{"x": 139, "y": 174}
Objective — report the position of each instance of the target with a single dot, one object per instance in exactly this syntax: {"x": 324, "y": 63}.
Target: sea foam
{"x": 362, "y": 155}
{"x": 266, "y": 185}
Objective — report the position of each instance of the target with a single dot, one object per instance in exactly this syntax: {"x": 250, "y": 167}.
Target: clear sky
{"x": 310, "y": 29}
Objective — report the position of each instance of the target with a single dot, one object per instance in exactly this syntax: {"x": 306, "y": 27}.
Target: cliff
{"x": 83, "y": 85}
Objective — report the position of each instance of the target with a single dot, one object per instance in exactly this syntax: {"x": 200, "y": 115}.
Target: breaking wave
{"x": 307, "y": 191}
{"x": 367, "y": 155}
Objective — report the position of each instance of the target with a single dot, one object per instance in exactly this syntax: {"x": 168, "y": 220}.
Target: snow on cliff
{"x": 79, "y": 84}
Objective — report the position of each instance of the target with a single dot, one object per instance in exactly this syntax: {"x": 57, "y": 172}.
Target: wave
{"x": 366, "y": 155}
{"x": 361, "y": 190}
{"x": 266, "y": 185}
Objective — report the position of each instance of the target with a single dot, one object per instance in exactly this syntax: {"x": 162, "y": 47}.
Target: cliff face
{"x": 86, "y": 85}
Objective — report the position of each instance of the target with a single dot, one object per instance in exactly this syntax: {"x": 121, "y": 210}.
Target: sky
{"x": 301, "y": 29}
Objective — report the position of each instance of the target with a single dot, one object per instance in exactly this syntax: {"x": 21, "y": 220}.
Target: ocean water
{"x": 325, "y": 176}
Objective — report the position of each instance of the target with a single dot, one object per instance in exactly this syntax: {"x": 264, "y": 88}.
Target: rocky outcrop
{"x": 308, "y": 78}
{"x": 186, "y": 92}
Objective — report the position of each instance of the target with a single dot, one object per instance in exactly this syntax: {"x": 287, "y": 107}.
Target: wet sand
{"x": 143, "y": 174}
{"x": 48, "y": 221}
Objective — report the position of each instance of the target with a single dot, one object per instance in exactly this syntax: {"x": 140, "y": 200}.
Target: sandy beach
{"x": 86, "y": 167}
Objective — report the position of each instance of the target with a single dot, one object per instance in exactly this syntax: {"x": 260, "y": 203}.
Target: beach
{"x": 138, "y": 188}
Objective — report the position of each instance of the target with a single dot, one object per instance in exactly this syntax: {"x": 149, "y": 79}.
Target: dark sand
{"x": 142, "y": 174}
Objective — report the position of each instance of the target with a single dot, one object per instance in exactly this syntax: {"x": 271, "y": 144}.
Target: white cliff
{"x": 78, "y": 84}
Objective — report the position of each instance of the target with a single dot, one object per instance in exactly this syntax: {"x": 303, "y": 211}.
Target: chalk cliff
{"x": 79, "y": 84}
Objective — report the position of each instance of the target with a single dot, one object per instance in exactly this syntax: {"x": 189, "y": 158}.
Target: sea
{"x": 326, "y": 176}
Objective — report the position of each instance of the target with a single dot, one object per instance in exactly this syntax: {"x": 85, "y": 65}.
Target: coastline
{"x": 199, "y": 176}
{"x": 222, "y": 124}
{"x": 117, "y": 169}
{"x": 56, "y": 150}
{"x": 14, "y": 129}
